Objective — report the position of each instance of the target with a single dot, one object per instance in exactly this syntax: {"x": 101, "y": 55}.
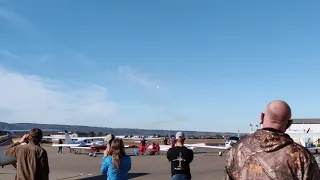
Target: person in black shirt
{"x": 165, "y": 141}
{"x": 180, "y": 158}
{"x": 143, "y": 142}
{"x": 60, "y": 147}
{"x": 173, "y": 141}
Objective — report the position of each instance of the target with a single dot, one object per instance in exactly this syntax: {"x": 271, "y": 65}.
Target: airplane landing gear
{"x": 14, "y": 165}
{"x": 93, "y": 154}
{"x": 221, "y": 153}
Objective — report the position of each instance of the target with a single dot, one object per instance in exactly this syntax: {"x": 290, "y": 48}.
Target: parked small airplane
{"x": 82, "y": 139}
{"x": 8, "y": 137}
{"x": 190, "y": 146}
{"x": 85, "y": 143}
{"x": 94, "y": 146}
{"x": 230, "y": 141}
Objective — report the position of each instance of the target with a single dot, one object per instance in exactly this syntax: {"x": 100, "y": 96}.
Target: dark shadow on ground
{"x": 202, "y": 152}
{"x": 215, "y": 155}
{"x": 215, "y": 144}
{"x": 131, "y": 155}
{"x": 6, "y": 173}
{"x": 103, "y": 177}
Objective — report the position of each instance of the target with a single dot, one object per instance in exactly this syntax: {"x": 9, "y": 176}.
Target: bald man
{"x": 270, "y": 153}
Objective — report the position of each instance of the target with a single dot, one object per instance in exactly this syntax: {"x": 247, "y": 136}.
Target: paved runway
{"x": 206, "y": 165}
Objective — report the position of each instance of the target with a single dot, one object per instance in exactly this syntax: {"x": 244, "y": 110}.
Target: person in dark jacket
{"x": 270, "y": 153}
{"x": 32, "y": 159}
{"x": 60, "y": 147}
{"x": 165, "y": 141}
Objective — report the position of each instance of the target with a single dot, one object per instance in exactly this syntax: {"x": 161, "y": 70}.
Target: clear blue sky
{"x": 218, "y": 63}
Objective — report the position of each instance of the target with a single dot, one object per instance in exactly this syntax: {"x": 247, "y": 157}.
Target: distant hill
{"x": 116, "y": 131}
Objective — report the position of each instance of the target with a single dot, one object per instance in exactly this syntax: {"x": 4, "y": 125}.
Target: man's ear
{"x": 261, "y": 118}
{"x": 289, "y": 123}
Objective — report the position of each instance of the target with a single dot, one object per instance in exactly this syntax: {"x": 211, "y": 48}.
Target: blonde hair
{"x": 116, "y": 151}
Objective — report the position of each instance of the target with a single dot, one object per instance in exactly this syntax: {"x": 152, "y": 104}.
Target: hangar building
{"x": 305, "y": 124}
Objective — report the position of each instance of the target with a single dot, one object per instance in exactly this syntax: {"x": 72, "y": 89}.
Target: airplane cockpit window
{"x": 88, "y": 140}
{"x": 3, "y": 133}
{"x": 233, "y": 138}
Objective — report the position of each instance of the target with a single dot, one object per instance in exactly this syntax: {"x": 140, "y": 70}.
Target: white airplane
{"x": 83, "y": 139}
{"x": 95, "y": 146}
{"x": 8, "y": 137}
{"x": 139, "y": 138}
{"x": 230, "y": 141}
{"x": 79, "y": 140}
{"x": 228, "y": 144}
{"x": 5, "y": 141}
{"x": 85, "y": 143}
{"x": 306, "y": 139}
{"x": 190, "y": 146}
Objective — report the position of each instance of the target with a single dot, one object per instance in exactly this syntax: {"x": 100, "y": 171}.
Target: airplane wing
{"x": 313, "y": 148}
{"x": 52, "y": 137}
{"x": 163, "y": 147}
{"x": 89, "y": 147}
{"x": 101, "y": 137}
{"x": 167, "y": 147}
{"x": 140, "y": 139}
{"x": 75, "y": 146}
{"x": 79, "y": 147}
{"x": 205, "y": 145}
{"x": 190, "y": 146}
{"x": 211, "y": 147}
{"x": 66, "y": 145}
{"x": 78, "y": 138}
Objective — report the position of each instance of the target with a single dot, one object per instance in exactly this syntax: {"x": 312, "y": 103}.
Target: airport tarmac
{"x": 207, "y": 164}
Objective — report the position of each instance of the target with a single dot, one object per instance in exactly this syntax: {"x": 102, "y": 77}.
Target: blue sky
{"x": 99, "y": 63}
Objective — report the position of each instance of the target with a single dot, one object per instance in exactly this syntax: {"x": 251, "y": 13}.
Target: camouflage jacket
{"x": 270, "y": 155}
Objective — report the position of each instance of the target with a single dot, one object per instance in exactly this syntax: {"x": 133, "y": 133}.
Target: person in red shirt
{"x": 142, "y": 148}
{"x": 158, "y": 148}
{"x": 155, "y": 149}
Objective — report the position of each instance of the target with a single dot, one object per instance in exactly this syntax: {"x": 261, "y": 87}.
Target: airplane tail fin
{"x": 303, "y": 142}
{"x": 67, "y": 138}
{"x": 224, "y": 137}
{"x": 10, "y": 133}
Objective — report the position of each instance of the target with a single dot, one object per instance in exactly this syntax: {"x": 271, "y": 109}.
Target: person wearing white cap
{"x": 180, "y": 158}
